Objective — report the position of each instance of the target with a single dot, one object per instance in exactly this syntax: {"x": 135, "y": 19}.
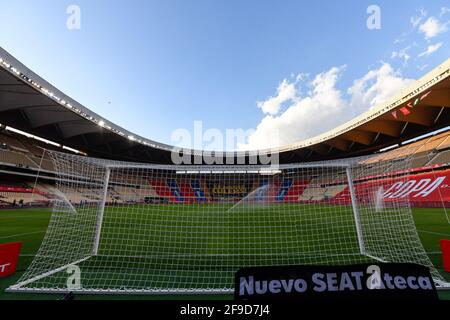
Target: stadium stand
{"x": 423, "y": 152}
{"x": 162, "y": 189}
{"x": 298, "y": 186}
{"x": 127, "y": 194}
{"x": 441, "y": 158}
{"x": 26, "y": 198}
{"x": 14, "y": 192}
{"x": 445, "y": 144}
{"x": 22, "y": 152}
{"x": 187, "y": 191}
{"x": 44, "y": 163}
{"x": 11, "y": 141}
{"x": 333, "y": 191}
{"x": 429, "y": 155}
{"x": 17, "y": 159}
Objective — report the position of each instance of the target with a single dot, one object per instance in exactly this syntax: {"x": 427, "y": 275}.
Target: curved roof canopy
{"x": 31, "y": 104}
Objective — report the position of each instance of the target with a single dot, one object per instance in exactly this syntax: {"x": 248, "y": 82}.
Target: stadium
{"x": 77, "y": 190}
{"x": 219, "y": 211}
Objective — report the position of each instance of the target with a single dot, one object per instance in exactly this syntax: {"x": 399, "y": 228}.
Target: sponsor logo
{"x": 9, "y": 256}
{"x": 229, "y": 190}
{"x": 414, "y": 188}
{"x": 3, "y": 267}
{"x": 334, "y": 282}
{"x": 383, "y": 281}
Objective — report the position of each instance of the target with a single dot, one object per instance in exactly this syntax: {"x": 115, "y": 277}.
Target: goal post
{"x": 351, "y": 188}
{"x": 160, "y": 229}
{"x": 101, "y": 212}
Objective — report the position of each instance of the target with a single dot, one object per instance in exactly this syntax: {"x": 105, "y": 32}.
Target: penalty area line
{"x": 435, "y": 233}
{"x": 21, "y": 234}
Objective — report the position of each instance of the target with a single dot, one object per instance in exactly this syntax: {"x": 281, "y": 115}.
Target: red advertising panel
{"x": 424, "y": 187}
{"x": 15, "y": 189}
{"x": 430, "y": 189}
{"x": 9, "y": 256}
{"x": 445, "y": 245}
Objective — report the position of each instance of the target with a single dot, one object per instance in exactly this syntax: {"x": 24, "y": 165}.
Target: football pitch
{"x": 222, "y": 242}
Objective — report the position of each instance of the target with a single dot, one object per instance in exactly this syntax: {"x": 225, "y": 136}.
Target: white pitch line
{"x": 49, "y": 273}
{"x": 22, "y": 234}
{"x": 434, "y": 252}
{"x": 436, "y": 233}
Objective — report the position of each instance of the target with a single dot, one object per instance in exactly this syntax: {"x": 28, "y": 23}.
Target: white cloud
{"x": 415, "y": 20}
{"x": 432, "y": 27}
{"x": 401, "y": 54}
{"x": 422, "y": 67}
{"x": 431, "y": 48}
{"x": 444, "y": 11}
{"x": 325, "y": 106}
{"x": 376, "y": 87}
{"x": 286, "y": 91}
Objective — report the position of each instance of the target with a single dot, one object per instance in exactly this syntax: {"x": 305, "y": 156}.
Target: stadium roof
{"x": 31, "y": 104}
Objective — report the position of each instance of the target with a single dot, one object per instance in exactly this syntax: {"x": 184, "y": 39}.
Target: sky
{"x": 282, "y": 71}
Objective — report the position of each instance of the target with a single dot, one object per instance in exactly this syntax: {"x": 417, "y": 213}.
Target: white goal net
{"x": 142, "y": 228}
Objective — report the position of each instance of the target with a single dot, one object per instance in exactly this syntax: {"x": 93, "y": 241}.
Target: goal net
{"x": 141, "y": 228}
{"x": 261, "y": 196}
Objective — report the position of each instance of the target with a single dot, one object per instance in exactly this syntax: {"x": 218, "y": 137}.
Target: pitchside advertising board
{"x": 421, "y": 189}
{"x": 384, "y": 281}
{"x": 9, "y": 256}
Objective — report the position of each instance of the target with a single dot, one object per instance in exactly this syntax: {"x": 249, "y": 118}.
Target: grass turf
{"x": 29, "y": 226}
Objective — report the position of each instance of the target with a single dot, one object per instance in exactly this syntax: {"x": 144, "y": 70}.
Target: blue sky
{"x": 296, "y": 68}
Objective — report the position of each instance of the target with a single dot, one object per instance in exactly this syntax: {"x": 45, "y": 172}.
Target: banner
{"x": 384, "y": 281}
{"x": 445, "y": 247}
{"x": 231, "y": 190}
{"x": 9, "y": 256}
{"x": 430, "y": 189}
{"x": 15, "y": 189}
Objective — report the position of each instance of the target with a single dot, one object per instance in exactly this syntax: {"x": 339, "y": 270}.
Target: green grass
{"x": 146, "y": 230}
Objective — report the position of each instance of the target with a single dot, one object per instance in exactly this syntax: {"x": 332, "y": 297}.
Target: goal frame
{"x": 346, "y": 165}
